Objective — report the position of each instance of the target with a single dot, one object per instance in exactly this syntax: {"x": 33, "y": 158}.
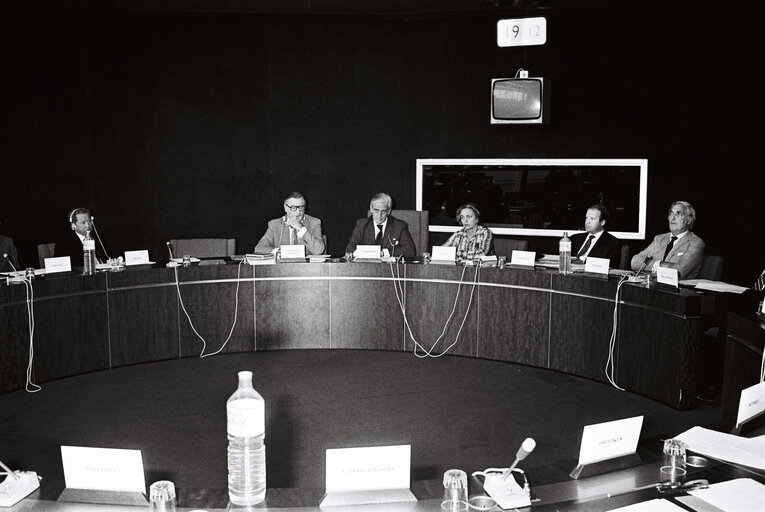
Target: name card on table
{"x": 609, "y": 440}
{"x": 751, "y": 404}
{"x": 523, "y": 258}
{"x": 668, "y": 276}
{"x": 59, "y": 264}
{"x": 367, "y": 252}
{"x": 443, "y": 253}
{"x": 594, "y": 265}
{"x": 293, "y": 251}
{"x": 105, "y": 469}
{"x": 137, "y": 257}
{"x": 377, "y": 474}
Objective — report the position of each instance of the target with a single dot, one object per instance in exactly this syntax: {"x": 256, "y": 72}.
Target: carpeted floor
{"x": 455, "y": 412}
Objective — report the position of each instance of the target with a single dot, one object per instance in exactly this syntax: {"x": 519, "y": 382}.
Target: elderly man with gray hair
{"x": 680, "y": 249}
{"x": 383, "y": 229}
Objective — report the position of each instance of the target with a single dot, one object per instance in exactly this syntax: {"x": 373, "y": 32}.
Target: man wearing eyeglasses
{"x": 383, "y": 229}
{"x": 294, "y": 228}
{"x": 680, "y": 249}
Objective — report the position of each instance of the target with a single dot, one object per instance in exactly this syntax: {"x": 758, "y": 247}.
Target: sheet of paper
{"x": 739, "y": 495}
{"x": 719, "y": 286}
{"x": 657, "y": 505}
{"x": 726, "y": 447}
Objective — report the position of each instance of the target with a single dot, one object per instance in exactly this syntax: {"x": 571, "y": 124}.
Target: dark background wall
{"x": 177, "y": 123}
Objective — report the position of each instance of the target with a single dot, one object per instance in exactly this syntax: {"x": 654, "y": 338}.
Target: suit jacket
{"x": 7, "y": 247}
{"x": 364, "y": 234}
{"x": 686, "y": 255}
{"x": 70, "y": 245}
{"x": 607, "y": 246}
{"x": 278, "y": 234}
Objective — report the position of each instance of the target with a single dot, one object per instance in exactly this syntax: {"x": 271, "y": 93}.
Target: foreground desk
{"x": 538, "y": 318}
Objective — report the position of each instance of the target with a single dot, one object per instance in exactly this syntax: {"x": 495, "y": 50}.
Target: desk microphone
{"x": 393, "y": 243}
{"x": 5, "y": 255}
{"x": 526, "y": 448}
{"x": 95, "y": 230}
{"x": 170, "y": 250}
{"x": 645, "y": 263}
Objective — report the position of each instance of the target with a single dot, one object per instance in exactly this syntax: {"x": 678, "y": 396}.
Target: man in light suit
{"x": 680, "y": 249}
{"x": 602, "y": 244}
{"x": 294, "y": 228}
{"x": 381, "y": 228}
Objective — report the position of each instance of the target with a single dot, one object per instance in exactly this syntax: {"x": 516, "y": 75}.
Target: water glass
{"x": 673, "y": 459}
{"x": 455, "y": 491}
{"x": 162, "y": 496}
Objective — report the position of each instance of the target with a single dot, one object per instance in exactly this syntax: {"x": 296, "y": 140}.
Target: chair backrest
{"x": 506, "y": 246}
{"x": 625, "y": 261}
{"x": 45, "y": 251}
{"x": 419, "y": 223}
{"x": 204, "y": 247}
{"x": 711, "y": 267}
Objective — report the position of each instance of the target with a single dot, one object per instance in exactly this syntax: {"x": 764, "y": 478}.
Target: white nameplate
{"x": 59, "y": 264}
{"x": 597, "y": 265}
{"x": 523, "y": 258}
{"x": 103, "y": 469}
{"x": 443, "y": 253}
{"x": 609, "y": 440}
{"x": 666, "y": 275}
{"x": 752, "y": 403}
{"x": 293, "y": 251}
{"x": 368, "y": 468}
{"x": 137, "y": 257}
{"x": 367, "y": 251}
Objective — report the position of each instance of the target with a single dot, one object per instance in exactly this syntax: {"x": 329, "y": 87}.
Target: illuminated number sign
{"x": 522, "y": 32}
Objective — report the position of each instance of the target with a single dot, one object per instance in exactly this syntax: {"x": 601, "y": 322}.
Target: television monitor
{"x": 520, "y": 101}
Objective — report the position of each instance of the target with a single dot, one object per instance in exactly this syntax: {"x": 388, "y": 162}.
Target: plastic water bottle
{"x": 89, "y": 255}
{"x": 564, "y": 251}
{"x": 245, "y": 414}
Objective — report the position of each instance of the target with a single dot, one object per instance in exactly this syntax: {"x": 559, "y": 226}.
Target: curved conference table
{"x": 538, "y": 318}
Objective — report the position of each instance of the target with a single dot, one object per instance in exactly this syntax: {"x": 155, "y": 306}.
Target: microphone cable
{"x": 29, "y": 386}
{"x": 398, "y": 288}
{"x": 202, "y": 354}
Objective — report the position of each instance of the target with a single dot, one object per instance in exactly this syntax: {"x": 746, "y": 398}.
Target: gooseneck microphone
{"x": 95, "y": 230}
{"x": 170, "y": 250}
{"x": 526, "y": 448}
{"x": 644, "y": 265}
{"x": 5, "y": 255}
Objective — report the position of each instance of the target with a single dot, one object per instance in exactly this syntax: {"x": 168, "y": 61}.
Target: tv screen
{"x": 519, "y": 101}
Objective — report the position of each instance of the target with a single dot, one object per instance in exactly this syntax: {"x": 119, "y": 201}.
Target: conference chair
{"x": 625, "y": 261}
{"x": 711, "y": 267}
{"x": 204, "y": 247}
{"x": 45, "y": 251}
{"x": 419, "y": 222}
{"x": 506, "y": 246}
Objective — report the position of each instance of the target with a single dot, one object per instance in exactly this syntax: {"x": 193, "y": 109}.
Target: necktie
{"x": 669, "y": 248}
{"x": 760, "y": 284}
{"x": 585, "y": 247}
{"x": 378, "y": 239}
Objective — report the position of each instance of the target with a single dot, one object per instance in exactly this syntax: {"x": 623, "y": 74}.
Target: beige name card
{"x": 137, "y": 257}
{"x": 58, "y": 264}
{"x": 443, "y": 253}
{"x": 103, "y": 469}
{"x": 668, "y": 276}
{"x": 603, "y": 441}
{"x": 368, "y": 468}
{"x": 367, "y": 251}
{"x": 597, "y": 265}
{"x": 523, "y": 258}
{"x": 293, "y": 251}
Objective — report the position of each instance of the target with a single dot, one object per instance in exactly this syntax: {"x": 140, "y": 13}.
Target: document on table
{"x": 714, "y": 286}
{"x": 657, "y": 505}
{"x": 739, "y": 495}
{"x": 726, "y": 447}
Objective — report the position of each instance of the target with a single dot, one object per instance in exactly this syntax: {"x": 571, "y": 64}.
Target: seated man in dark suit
{"x": 81, "y": 223}
{"x": 680, "y": 249}
{"x": 596, "y": 241}
{"x": 294, "y": 228}
{"x": 381, "y": 228}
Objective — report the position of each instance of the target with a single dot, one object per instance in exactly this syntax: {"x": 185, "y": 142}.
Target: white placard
{"x": 522, "y": 32}
{"x": 609, "y": 440}
{"x": 666, "y": 275}
{"x": 368, "y": 468}
{"x": 523, "y": 258}
{"x": 596, "y": 265}
{"x": 59, "y": 264}
{"x": 137, "y": 257}
{"x": 752, "y": 403}
{"x": 293, "y": 251}
{"x": 367, "y": 251}
{"x": 103, "y": 469}
{"x": 444, "y": 253}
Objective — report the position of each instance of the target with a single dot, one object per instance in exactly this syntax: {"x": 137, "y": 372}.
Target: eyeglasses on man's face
{"x": 380, "y": 212}
{"x": 675, "y": 213}
{"x": 299, "y": 207}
